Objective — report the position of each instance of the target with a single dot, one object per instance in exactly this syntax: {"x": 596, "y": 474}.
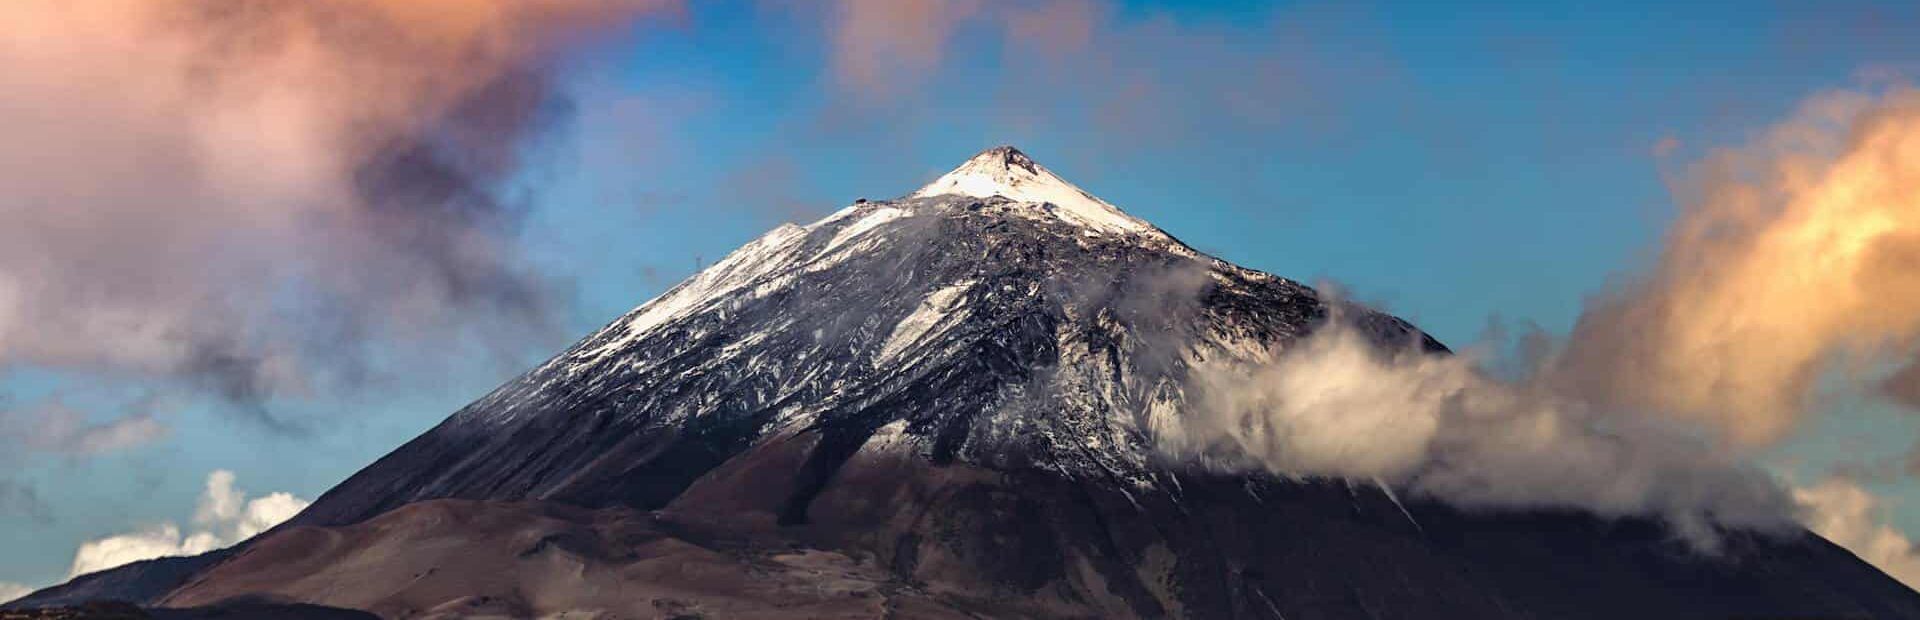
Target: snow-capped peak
{"x": 1005, "y": 171}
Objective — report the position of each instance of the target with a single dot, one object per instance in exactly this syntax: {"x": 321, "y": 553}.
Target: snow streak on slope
{"x": 868, "y": 222}
{"x": 925, "y": 319}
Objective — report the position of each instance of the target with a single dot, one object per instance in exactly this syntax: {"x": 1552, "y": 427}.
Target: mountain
{"x": 999, "y": 317}
{"x": 945, "y": 405}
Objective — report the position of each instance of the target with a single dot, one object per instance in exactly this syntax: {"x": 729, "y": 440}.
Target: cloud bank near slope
{"x": 224, "y": 516}
{"x": 1853, "y": 517}
{"x": 10, "y": 591}
{"x": 1336, "y": 404}
{"x": 1794, "y": 258}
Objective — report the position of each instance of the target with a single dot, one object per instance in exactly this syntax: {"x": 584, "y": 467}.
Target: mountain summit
{"x": 1006, "y": 172}
{"x": 945, "y": 406}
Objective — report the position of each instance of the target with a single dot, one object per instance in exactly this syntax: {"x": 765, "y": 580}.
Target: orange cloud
{"x": 1789, "y": 254}
{"x": 884, "y": 45}
{"x": 1056, "y": 28}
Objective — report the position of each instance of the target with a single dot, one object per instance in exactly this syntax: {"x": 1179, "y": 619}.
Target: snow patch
{"x": 889, "y": 439}
{"x": 917, "y": 326}
{"x": 861, "y": 226}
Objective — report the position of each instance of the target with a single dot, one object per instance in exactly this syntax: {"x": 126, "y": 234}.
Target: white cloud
{"x": 224, "y": 516}
{"x": 1852, "y": 517}
{"x": 1335, "y": 405}
{"x": 158, "y": 541}
{"x": 264, "y": 513}
{"x": 10, "y": 591}
{"x": 220, "y": 502}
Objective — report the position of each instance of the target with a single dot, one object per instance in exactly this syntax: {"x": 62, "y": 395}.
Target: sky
{"x": 1475, "y": 168}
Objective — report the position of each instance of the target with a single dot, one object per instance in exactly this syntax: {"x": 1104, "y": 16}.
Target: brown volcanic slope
{"x": 456, "y": 559}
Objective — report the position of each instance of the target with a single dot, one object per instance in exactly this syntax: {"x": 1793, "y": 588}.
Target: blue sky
{"x": 1451, "y": 164}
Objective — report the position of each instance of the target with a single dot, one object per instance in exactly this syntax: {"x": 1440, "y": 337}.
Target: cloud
{"x": 159, "y": 541}
{"x": 224, "y": 516}
{"x": 1123, "y": 82}
{"x": 1792, "y": 257}
{"x": 1851, "y": 516}
{"x": 1903, "y": 386}
{"x": 888, "y": 46}
{"x": 1055, "y": 28}
{"x": 51, "y": 426}
{"x": 18, "y": 499}
{"x": 1665, "y": 147}
{"x": 245, "y": 195}
{"x": 10, "y": 591}
{"x": 1338, "y": 404}
{"x": 227, "y": 509}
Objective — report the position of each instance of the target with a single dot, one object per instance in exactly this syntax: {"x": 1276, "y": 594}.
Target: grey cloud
{"x": 52, "y": 427}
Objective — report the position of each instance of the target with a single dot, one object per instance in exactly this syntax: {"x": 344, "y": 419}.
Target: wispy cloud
{"x": 1851, "y": 516}
{"x": 51, "y": 426}
{"x": 886, "y": 47}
